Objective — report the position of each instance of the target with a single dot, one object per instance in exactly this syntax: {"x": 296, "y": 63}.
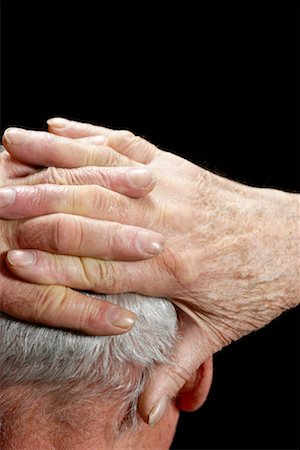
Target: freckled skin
{"x": 231, "y": 258}
{"x": 230, "y": 261}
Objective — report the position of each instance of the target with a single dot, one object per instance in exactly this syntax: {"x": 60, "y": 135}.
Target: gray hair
{"x": 80, "y": 368}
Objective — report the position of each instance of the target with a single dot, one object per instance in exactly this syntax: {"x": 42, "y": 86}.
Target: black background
{"x": 215, "y": 82}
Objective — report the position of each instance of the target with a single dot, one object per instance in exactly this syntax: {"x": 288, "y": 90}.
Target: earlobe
{"x": 195, "y": 391}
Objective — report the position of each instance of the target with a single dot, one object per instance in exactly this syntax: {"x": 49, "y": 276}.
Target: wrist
{"x": 276, "y": 215}
{"x": 248, "y": 258}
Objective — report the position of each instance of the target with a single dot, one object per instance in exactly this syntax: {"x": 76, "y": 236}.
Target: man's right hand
{"x": 230, "y": 261}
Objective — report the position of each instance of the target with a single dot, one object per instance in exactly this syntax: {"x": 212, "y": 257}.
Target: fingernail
{"x": 15, "y": 135}
{"x": 21, "y": 258}
{"x": 6, "y": 197}
{"x": 158, "y": 411}
{"x": 150, "y": 243}
{"x": 140, "y": 178}
{"x": 121, "y": 318}
{"x": 57, "y": 122}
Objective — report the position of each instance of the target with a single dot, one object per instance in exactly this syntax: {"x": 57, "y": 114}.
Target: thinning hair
{"x": 80, "y": 368}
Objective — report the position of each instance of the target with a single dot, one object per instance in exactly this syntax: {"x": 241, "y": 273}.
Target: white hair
{"x": 80, "y": 368}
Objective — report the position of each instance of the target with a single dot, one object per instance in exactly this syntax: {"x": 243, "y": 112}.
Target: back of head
{"x": 63, "y": 374}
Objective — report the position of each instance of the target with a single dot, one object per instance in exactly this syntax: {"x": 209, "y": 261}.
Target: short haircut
{"x": 80, "y": 368}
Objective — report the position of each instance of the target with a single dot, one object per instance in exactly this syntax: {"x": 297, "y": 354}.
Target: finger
{"x": 97, "y": 140}
{"x": 86, "y": 274}
{"x": 74, "y": 129}
{"x": 189, "y": 353}
{"x": 13, "y": 168}
{"x": 57, "y": 306}
{"x": 46, "y": 149}
{"x": 80, "y": 236}
{"x": 89, "y": 201}
{"x": 123, "y": 141}
{"x": 132, "y": 146}
{"x": 31, "y": 201}
{"x": 115, "y": 178}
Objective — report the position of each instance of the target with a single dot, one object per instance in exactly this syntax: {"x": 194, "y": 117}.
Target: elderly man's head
{"x": 63, "y": 390}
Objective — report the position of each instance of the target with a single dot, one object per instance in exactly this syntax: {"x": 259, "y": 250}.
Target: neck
{"x": 27, "y": 422}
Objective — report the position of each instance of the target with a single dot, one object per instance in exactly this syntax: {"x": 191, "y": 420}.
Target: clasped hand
{"x": 113, "y": 213}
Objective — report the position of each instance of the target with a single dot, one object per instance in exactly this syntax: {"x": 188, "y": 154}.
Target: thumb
{"x": 167, "y": 380}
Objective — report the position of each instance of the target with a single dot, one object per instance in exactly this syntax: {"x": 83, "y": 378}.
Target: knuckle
{"x": 118, "y": 235}
{"x": 37, "y": 197}
{"x": 90, "y": 154}
{"x": 123, "y": 209}
{"x": 66, "y": 234}
{"x": 8, "y": 234}
{"x": 97, "y": 199}
{"x": 89, "y": 274}
{"x": 98, "y": 178}
{"x": 123, "y": 139}
{"x": 52, "y": 175}
{"x": 90, "y": 313}
{"x": 120, "y": 238}
{"x": 77, "y": 176}
{"x": 14, "y": 297}
{"x": 109, "y": 157}
{"x": 9, "y": 303}
{"x": 177, "y": 264}
{"x": 49, "y": 300}
{"x": 108, "y": 202}
{"x": 106, "y": 277}
{"x": 104, "y": 179}
{"x": 30, "y": 233}
{"x": 127, "y": 140}
{"x": 125, "y": 134}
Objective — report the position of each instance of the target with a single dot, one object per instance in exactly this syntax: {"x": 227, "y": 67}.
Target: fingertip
{"x": 122, "y": 319}
{"x": 150, "y": 243}
{"x": 20, "y": 258}
{"x": 57, "y": 122}
{"x": 141, "y": 178}
{"x": 105, "y": 318}
{"x": 114, "y": 321}
{"x": 14, "y": 136}
{"x": 158, "y": 410}
{"x": 143, "y": 410}
{"x": 152, "y": 410}
{"x": 7, "y": 197}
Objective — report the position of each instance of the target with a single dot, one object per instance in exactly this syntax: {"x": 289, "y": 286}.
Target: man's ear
{"x": 194, "y": 393}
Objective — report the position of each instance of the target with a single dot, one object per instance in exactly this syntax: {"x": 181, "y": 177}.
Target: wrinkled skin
{"x": 230, "y": 261}
{"x": 57, "y": 305}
